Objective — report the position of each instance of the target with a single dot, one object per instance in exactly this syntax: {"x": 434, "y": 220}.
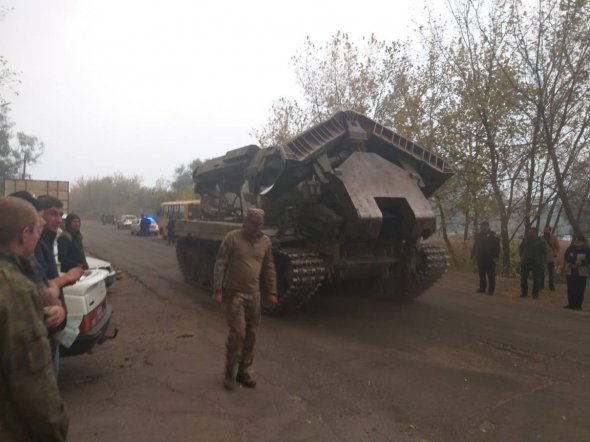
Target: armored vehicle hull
{"x": 344, "y": 200}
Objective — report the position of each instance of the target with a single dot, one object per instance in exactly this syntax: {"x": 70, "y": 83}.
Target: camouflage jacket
{"x": 31, "y": 408}
{"x": 241, "y": 263}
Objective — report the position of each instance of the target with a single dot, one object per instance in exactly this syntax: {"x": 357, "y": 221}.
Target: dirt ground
{"x": 451, "y": 366}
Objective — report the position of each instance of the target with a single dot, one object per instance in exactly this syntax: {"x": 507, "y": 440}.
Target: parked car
{"x": 95, "y": 263}
{"x": 136, "y": 227}
{"x": 125, "y": 221}
{"x": 87, "y": 305}
{"x": 109, "y": 219}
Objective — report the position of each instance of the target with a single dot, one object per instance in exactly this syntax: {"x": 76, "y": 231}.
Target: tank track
{"x": 195, "y": 260}
{"x": 300, "y": 273}
{"x": 432, "y": 265}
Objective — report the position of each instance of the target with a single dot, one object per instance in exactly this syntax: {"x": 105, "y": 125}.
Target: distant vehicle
{"x": 136, "y": 227}
{"x": 87, "y": 299}
{"x": 109, "y": 219}
{"x": 179, "y": 210}
{"x": 125, "y": 221}
{"x": 566, "y": 238}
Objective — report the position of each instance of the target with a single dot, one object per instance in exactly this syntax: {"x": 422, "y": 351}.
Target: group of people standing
{"x": 538, "y": 255}
{"x": 33, "y": 313}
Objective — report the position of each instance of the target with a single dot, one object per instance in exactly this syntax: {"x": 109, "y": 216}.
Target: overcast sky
{"x": 142, "y": 86}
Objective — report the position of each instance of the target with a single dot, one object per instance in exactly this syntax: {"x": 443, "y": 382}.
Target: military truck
{"x": 345, "y": 200}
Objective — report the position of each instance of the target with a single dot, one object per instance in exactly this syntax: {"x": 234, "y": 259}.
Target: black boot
{"x": 245, "y": 379}
{"x": 229, "y": 381}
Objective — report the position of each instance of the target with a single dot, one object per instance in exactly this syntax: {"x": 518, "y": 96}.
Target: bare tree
{"x": 476, "y": 52}
{"x": 29, "y": 151}
{"x": 552, "y": 40}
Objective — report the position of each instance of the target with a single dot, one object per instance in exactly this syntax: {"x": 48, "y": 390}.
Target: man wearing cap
{"x": 245, "y": 255}
{"x": 486, "y": 249}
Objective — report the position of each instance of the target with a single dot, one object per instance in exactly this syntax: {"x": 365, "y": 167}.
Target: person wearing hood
{"x": 70, "y": 251}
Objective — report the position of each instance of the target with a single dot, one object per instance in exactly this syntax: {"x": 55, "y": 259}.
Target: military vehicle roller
{"x": 344, "y": 200}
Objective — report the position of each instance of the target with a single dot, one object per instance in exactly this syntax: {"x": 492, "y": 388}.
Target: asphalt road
{"x": 451, "y": 366}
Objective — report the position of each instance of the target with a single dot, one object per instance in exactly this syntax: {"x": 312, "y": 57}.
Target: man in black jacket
{"x": 533, "y": 253}
{"x": 51, "y": 214}
{"x": 486, "y": 249}
{"x": 70, "y": 250}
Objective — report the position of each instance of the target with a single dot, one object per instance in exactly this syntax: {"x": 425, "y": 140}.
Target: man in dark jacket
{"x": 486, "y": 249}
{"x": 171, "y": 231}
{"x": 70, "y": 251}
{"x": 532, "y": 260}
{"x": 52, "y": 214}
{"x": 577, "y": 260}
{"x": 144, "y": 226}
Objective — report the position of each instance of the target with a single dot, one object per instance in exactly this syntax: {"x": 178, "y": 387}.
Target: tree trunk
{"x": 443, "y": 226}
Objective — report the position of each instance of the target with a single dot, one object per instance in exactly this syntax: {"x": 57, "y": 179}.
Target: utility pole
{"x": 24, "y": 177}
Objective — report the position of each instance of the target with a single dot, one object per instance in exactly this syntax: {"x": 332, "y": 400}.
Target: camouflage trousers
{"x": 242, "y": 312}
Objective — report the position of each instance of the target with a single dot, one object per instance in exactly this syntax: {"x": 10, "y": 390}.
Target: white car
{"x": 87, "y": 305}
{"x": 95, "y": 263}
{"x": 136, "y": 227}
{"x": 126, "y": 221}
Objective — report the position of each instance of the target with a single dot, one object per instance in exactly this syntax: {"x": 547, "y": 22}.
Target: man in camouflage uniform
{"x": 31, "y": 408}
{"x": 244, "y": 256}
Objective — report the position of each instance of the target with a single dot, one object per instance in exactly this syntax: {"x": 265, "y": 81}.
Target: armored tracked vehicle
{"x": 344, "y": 200}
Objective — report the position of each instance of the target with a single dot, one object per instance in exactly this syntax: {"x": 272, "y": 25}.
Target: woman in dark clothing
{"x": 70, "y": 251}
{"x": 577, "y": 258}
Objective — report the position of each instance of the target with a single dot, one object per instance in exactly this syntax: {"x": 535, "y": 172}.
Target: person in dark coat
{"x": 577, "y": 259}
{"x": 171, "y": 231}
{"x": 144, "y": 226}
{"x": 533, "y": 257}
{"x": 45, "y": 274}
{"x": 486, "y": 249}
{"x": 70, "y": 251}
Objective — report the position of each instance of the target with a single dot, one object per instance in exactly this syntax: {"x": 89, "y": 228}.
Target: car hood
{"x": 95, "y": 263}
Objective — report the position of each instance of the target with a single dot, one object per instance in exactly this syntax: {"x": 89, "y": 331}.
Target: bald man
{"x": 30, "y": 404}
